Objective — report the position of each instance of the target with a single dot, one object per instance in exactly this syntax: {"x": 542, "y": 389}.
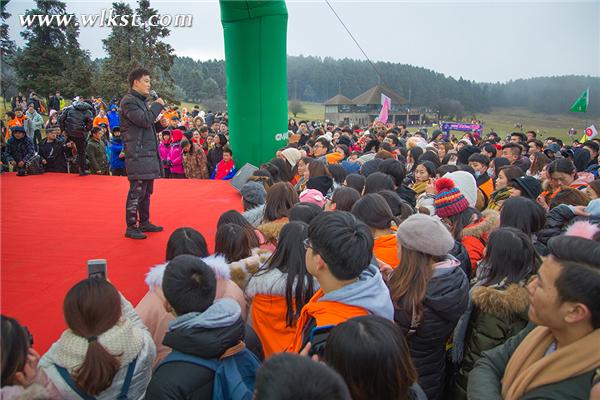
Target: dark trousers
{"x": 37, "y": 139}
{"x": 118, "y": 172}
{"x": 138, "y": 202}
{"x": 177, "y": 176}
{"x": 80, "y": 145}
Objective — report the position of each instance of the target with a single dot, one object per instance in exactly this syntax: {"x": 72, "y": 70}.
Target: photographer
{"x": 52, "y": 150}
{"x": 143, "y": 163}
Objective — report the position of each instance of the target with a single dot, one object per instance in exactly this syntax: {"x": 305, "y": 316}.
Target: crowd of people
{"x": 369, "y": 263}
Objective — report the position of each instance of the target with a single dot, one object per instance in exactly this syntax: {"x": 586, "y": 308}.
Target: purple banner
{"x": 457, "y": 126}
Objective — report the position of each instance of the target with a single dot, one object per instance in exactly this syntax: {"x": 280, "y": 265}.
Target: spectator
{"x": 150, "y": 308}
{"x": 526, "y": 186}
{"x": 503, "y": 177}
{"x": 514, "y": 153}
{"x": 53, "y": 152}
{"x": 499, "y": 301}
{"x": 96, "y": 154}
{"x": 107, "y": 351}
{"x": 175, "y": 157}
{"x": 372, "y": 356}
{"x": 33, "y": 98}
{"x": 339, "y": 253}
{"x": 485, "y": 183}
{"x": 215, "y": 154}
{"x": 374, "y": 211}
{"x": 279, "y": 377}
{"x": 204, "y": 330}
{"x": 113, "y": 117}
{"x": 356, "y": 181}
{"x": 117, "y": 156}
{"x": 305, "y": 212}
{"x": 527, "y": 216}
{"x": 18, "y": 101}
{"x": 18, "y": 118}
{"x": 342, "y": 199}
{"x": 397, "y": 171}
{"x": 19, "y": 150}
{"x": 562, "y": 345}
{"x": 76, "y": 120}
{"x": 281, "y": 197}
{"x": 280, "y": 289}
{"x": 225, "y": 169}
{"x": 35, "y": 125}
{"x": 194, "y": 160}
{"x": 55, "y": 102}
{"x": 430, "y": 293}
{"x": 21, "y": 377}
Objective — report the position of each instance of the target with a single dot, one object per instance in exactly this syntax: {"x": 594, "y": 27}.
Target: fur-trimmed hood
{"x": 218, "y": 264}
{"x": 33, "y": 392}
{"x": 242, "y": 270}
{"x": 490, "y": 220}
{"x": 271, "y": 230}
{"x": 502, "y": 303}
{"x": 271, "y": 282}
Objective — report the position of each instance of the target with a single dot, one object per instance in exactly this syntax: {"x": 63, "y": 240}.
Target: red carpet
{"x": 53, "y": 223}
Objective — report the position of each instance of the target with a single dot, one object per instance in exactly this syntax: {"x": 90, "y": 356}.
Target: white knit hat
{"x": 465, "y": 182}
{"x": 292, "y": 156}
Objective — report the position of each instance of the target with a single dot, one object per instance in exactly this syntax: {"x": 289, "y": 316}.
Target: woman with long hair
{"x": 430, "y": 293}
{"x": 280, "y": 288}
{"x": 151, "y": 310}
{"x": 106, "y": 352}
{"x": 504, "y": 175}
{"x": 281, "y": 197}
{"x": 499, "y": 300}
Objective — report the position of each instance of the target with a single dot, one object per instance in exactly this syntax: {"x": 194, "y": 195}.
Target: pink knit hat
{"x": 313, "y": 196}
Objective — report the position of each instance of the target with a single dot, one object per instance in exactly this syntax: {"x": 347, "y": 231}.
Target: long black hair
{"x": 186, "y": 241}
{"x": 16, "y": 341}
{"x": 510, "y": 256}
{"x": 289, "y": 258}
{"x": 459, "y": 221}
{"x": 234, "y": 217}
{"x": 524, "y": 214}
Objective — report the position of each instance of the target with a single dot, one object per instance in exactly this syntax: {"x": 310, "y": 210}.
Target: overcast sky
{"x": 485, "y": 41}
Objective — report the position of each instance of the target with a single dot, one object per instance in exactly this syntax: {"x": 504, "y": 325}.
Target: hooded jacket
{"x": 77, "y": 119}
{"x": 385, "y": 248}
{"x": 475, "y": 236}
{"x": 151, "y": 308}
{"x": 216, "y": 153}
{"x": 116, "y": 147}
{"x": 445, "y": 301}
{"x": 206, "y": 335}
{"x": 266, "y": 291}
{"x": 497, "y": 313}
{"x": 19, "y": 149}
{"x": 367, "y": 295}
{"x": 175, "y": 158}
{"x": 37, "y": 122}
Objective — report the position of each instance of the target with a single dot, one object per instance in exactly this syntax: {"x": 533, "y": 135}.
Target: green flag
{"x": 581, "y": 104}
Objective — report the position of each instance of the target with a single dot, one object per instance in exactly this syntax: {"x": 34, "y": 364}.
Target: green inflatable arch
{"x": 256, "y": 70}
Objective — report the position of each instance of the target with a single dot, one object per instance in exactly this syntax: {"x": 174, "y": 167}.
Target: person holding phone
{"x": 139, "y": 128}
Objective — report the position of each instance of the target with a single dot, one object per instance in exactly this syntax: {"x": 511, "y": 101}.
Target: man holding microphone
{"x": 139, "y": 130}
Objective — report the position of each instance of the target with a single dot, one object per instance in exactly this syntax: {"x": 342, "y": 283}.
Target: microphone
{"x": 153, "y": 95}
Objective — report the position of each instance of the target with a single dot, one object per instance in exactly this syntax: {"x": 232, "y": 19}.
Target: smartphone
{"x": 97, "y": 269}
{"x": 318, "y": 339}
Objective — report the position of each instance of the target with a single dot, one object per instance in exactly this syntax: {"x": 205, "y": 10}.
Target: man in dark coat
{"x": 19, "y": 150}
{"x": 142, "y": 161}
{"x": 76, "y": 120}
{"x": 54, "y": 152}
{"x": 54, "y": 103}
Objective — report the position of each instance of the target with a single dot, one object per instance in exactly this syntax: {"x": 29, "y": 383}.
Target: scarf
{"x": 123, "y": 341}
{"x": 419, "y": 187}
{"x": 529, "y": 368}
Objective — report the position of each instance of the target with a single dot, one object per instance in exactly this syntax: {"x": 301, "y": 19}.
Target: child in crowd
{"x": 225, "y": 169}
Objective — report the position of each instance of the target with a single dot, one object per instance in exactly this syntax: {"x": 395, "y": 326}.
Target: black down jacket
{"x": 77, "y": 119}
{"x": 139, "y": 131}
{"x": 446, "y": 300}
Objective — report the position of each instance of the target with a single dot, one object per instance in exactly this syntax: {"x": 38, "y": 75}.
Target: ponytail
{"x": 98, "y": 369}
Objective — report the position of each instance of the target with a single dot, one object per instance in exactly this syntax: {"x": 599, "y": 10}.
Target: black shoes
{"x": 84, "y": 173}
{"x": 148, "y": 227}
{"x": 134, "y": 232}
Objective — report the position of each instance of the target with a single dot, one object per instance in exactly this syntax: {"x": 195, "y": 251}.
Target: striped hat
{"x": 449, "y": 200}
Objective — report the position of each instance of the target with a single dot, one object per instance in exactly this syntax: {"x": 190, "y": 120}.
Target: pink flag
{"x": 386, "y": 104}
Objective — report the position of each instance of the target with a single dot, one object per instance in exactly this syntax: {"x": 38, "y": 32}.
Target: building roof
{"x": 337, "y": 100}
{"x": 373, "y": 96}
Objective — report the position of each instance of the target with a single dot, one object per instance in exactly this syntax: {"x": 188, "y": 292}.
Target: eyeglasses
{"x": 307, "y": 244}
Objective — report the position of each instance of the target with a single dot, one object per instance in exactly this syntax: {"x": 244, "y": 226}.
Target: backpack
{"x": 234, "y": 374}
{"x": 71, "y": 383}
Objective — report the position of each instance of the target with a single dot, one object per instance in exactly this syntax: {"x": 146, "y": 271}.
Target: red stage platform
{"x": 53, "y": 223}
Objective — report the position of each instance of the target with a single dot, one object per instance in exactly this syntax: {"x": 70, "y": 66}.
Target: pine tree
{"x": 52, "y": 58}
{"x": 7, "y": 54}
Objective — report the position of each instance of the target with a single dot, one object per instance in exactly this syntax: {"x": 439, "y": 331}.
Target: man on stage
{"x": 139, "y": 131}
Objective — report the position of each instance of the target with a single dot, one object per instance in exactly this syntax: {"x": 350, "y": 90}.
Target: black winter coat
{"x": 19, "y": 150}
{"x": 446, "y": 300}
{"x": 140, "y": 142}
{"x": 77, "y": 119}
{"x": 55, "y": 155}
{"x": 214, "y": 156}
{"x": 181, "y": 380}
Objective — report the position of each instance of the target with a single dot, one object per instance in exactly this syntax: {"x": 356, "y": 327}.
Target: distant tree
{"x": 210, "y": 89}
{"x": 296, "y": 108}
{"x": 7, "y": 53}
{"x": 450, "y": 108}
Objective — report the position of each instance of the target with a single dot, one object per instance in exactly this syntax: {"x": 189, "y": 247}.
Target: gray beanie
{"x": 426, "y": 234}
{"x": 254, "y": 193}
